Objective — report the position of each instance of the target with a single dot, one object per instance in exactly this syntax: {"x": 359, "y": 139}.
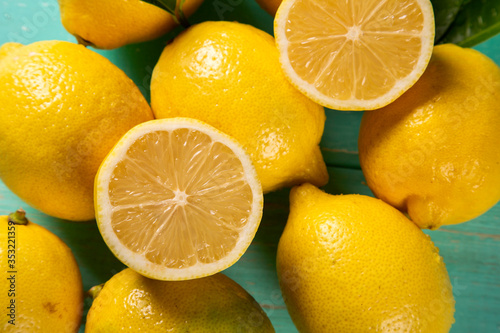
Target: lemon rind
{"x": 137, "y": 261}
{"x": 427, "y": 37}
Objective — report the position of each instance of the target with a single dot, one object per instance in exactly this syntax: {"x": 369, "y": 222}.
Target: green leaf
{"x": 477, "y": 21}
{"x": 174, "y": 8}
{"x": 182, "y": 17}
{"x": 168, "y": 5}
{"x": 445, "y": 12}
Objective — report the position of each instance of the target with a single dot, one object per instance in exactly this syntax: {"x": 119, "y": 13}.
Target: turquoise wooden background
{"x": 471, "y": 250}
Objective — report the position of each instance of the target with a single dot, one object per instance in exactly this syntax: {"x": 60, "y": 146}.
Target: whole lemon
{"x": 42, "y": 287}
{"x": 228, "y": 75}
{"x": 109, "y": 24}
{"x": 61, "y": 116}
{"x": 133, "y": 303}
{"x": 352, "y": 263}
{"x": 433, "y": 153}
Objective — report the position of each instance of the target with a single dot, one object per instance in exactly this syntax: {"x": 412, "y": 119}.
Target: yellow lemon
{"x": 177, "y": 199}
{"x": 108, "y": 24}
{"x": 433, "y": 153}
{"x": 61, "y": 117}
{"x": 352, "y": 263}
{"x": 42, "y": 286}
{"x": 354, "y": 55}
{"x": 133, "y": 303}
{"x": 227, "y": 74}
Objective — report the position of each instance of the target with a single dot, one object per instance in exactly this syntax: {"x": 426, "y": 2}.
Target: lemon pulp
{"x": 179, "y": 200}
{"x": 354, "y": 54}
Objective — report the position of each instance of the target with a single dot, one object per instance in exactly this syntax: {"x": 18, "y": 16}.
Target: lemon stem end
{"x": 84, "y": 42}
{"x": 95, "y": 290}
{"x": 18, "y": 217}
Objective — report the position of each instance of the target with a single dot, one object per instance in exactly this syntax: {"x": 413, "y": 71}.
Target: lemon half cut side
{"x": 176, "y": 199}
{"x": 354, "y": 54}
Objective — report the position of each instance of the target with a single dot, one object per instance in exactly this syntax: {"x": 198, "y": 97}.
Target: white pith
{"x": 137, "y": 261}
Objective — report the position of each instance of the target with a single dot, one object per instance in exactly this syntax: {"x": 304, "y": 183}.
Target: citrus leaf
{"x": 173, "y": 7}
{"x": 445, "y": 12}
{"x": 476, "y": 22}
{"x": 182, "y": 17}
{"x": 168, "y": 5}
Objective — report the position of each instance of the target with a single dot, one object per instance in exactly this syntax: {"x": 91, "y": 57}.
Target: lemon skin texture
{"x": 133, "y": 303}
{"x": 61, "y": 117}
{"x": 352, "y": 263}
{"x": 433, "y": 153}
{"x": 228, "y": 75}
{"x": 48, "y": 286}
{"x": 7, "y": 48}
{"x": 109, "y": 24}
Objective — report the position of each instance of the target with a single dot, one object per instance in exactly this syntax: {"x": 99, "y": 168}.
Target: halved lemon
{"x": 354, "y": 54}
{"x": 176, "y": 199}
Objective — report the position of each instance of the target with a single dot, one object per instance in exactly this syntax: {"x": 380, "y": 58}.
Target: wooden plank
{"x": 339, "y": 144}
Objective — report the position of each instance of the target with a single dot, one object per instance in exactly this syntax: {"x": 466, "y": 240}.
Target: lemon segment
{"x": 354, "y": 55}
{"x": 177, "y": 199}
